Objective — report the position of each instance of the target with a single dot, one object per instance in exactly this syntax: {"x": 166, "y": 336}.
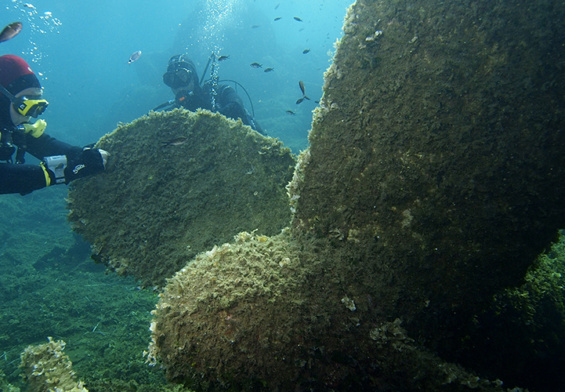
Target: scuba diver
{"x": 191, "y": 94}
{"x": 20, "y": 100}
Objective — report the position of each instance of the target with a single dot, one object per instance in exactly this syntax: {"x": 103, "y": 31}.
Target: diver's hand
{"x": 88, "y": 161}
{"x": 67, "y": 168}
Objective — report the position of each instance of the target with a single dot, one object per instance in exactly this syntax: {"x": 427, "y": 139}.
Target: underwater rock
{"x": 432, "y": 182}
{"x": 176, "y": 184}
{"x": 47, "y": 368}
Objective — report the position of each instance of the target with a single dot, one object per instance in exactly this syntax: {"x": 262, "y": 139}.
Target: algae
{"x": 6, "y": 386}
{"x": 445, "y": 118}
{"x": 213, "y": 327}
{"x": 524, "y": 323}
{"x": 431, "y": 184}
{"x": 48, "y": 369}
{"x": 50, "y": 287}
{"x": 267, "y": 313}
{"x": 176, "y": 184}
{"x": 103, "y": 318}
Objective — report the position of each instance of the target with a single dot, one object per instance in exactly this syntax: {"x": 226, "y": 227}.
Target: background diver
{"x": 20, "y": 100}
{"x": 191, "y": 94}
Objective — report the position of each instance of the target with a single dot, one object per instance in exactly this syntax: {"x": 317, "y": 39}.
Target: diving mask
{"x": 176, "y": 78}
{"x": 31, "y": 105}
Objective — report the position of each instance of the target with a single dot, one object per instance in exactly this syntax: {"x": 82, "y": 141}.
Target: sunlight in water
{"x": 37, "y": 21}
{"x": 218, "y": 14}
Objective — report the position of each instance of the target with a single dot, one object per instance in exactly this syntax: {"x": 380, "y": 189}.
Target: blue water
{"x": 81, "y": 50}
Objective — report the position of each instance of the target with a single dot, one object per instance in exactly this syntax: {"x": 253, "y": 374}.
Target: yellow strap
{"x": 46, "y": 173}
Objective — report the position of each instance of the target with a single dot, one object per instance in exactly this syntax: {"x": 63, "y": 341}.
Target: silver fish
{"x": 134, "y": 56}
{"x": 10, "y": 31}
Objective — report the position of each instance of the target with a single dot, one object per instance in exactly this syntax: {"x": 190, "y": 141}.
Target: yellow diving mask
{"x": 31, "y": 105}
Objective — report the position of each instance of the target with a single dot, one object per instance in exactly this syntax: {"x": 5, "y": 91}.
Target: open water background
{"x": 81, "y": 49}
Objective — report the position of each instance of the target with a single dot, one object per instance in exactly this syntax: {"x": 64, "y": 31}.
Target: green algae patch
{"x": 176, "y": 184}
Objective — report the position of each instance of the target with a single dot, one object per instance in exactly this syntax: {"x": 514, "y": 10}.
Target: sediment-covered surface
{"x": 176, "y": 184}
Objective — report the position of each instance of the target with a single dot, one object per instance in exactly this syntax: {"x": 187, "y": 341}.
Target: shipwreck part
{"x": 176, "y": 184}
{"x": 432, "y": 181}
{"x": 267, "y": 313}
{"x": 438, "y": 149}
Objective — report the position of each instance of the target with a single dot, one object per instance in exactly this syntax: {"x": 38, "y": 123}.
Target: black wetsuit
{"x": 227, "y": 102}
{"x": 17, "y": 177}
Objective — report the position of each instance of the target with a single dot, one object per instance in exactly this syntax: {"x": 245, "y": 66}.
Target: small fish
{"x": 134, "y": 56}
{"x": 301, "y": 85}
{"x": 256, "y": 65}
{"x": 255, "y": 26}
{"x": 296, "y": 18}
{"x": 278, "y": 18}
{"x": 306, "y": 51}
{"x": 175, "y": 142}
{"x": 300, "y": 101}
{"x": 222, "y": 58}
{"x": 270, "y": 69}
{"x": 10, "y": 31}
{"x": 290, "y": 112}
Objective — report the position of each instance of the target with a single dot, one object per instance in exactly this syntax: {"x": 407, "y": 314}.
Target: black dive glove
{"x": 67, "y": 168}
